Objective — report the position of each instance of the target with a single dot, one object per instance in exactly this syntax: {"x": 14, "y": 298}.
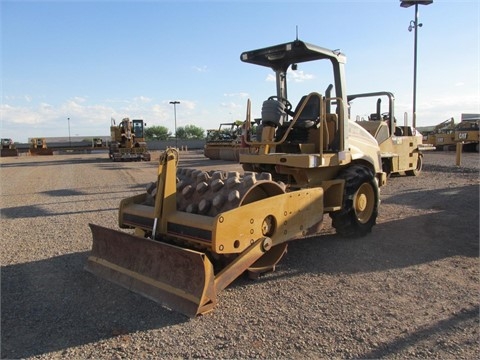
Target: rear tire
{"x": 418, "y": 169}
{"x": 387, "y": 166}
{"x": 360, "y": 203}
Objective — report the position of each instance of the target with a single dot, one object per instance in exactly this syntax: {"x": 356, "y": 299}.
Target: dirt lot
{"x": 408, "y": 290}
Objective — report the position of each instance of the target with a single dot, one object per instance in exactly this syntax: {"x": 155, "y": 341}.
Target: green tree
{"x": 157, "y": 133}
{"x": 190, "y": 132}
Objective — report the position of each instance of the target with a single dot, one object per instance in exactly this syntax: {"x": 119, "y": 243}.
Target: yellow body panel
{"x": 288, "y": 216}
{"x": 467, "y": 136}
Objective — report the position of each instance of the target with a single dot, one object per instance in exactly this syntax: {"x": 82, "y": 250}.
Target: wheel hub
{"x": 361, "y": 202}
{"x": 364, "y": 202}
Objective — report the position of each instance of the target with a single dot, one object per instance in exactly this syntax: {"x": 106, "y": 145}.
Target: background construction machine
{"x": 467, "y": 132}
{"x": 442, "y": 136}
{"x": 195, "y": 232}
{"x": 98, "y": 143}
{"x": 401, "y": 146}
{"x": 38, "y": 146}
{"x": 224, "y": 143}
{"x": 128, "y": 141}
{"x": 8, "y": 148}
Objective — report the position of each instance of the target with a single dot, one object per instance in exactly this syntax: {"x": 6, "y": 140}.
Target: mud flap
{"x": 178, "y": 278}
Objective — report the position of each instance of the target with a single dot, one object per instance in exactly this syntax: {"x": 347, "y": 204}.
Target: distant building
{"x": 66, "y": 139}
{"x": 470, "y": 117}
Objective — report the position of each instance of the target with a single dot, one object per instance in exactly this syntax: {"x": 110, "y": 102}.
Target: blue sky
{"x": 93, "y": 60}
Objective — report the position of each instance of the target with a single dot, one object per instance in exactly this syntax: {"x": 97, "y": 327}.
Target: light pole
{"x": 414, "y": 25}
{"x": 174, "y": 103}
{"x": 69, "y": 138}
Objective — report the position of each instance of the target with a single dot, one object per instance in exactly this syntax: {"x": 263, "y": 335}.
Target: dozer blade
{"x": 41, "y": 151}
{"x": 180, "y": 279}
{"x": 9, "y": 152}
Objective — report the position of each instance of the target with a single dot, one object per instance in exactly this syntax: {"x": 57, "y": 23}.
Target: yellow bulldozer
{"x": 8, "y": 148}
{"x": 38, "y": 146}
{"x": 128, "y": 141}
{"x": 195, "y": 232}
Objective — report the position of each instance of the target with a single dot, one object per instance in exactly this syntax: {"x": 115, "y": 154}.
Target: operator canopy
{"x": 280, "y": 57}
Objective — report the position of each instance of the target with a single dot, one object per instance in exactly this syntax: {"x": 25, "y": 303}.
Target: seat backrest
{"x": 310, "y": 113}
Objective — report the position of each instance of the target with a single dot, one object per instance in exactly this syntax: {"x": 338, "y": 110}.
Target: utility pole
{"x": 69, "y": 138}
{"x": 414, "y": 25}
{"x": 174, "y": 103}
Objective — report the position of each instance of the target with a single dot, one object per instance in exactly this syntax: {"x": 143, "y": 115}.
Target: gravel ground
{"x": 408, "y": 290}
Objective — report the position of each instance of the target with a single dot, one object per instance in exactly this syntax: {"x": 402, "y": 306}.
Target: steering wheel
{"x": 288, "y": 104}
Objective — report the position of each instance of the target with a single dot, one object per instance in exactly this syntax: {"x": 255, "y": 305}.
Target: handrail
{"x": 340, "y": 129}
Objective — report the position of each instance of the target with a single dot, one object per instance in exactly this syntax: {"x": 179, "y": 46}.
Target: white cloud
{"x": 433, "y": 110}
{"x": 200, "y": 69}
{"x": 184, "y": 104}
{"x": 239, "y": 95}
{"x": 17, "y": 115}
{"x": 142, "y": 99}
{"x": 79, "y": 99}
{"x": 295, "y": 76}
{"x": 46, "y": 120}
{"x": 230, "y": 105}
{"x": 300, "y": 76}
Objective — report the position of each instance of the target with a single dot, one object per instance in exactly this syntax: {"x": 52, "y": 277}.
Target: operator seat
{"x": 310, "y": 113}
{"x": 308, "y": 118}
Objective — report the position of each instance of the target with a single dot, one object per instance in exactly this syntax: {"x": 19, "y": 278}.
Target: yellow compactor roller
{"x": 195, "y": 255}
{"x": 196, "y": 231}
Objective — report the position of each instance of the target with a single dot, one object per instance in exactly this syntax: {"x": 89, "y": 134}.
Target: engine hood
{"x": 363, "y": 146}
